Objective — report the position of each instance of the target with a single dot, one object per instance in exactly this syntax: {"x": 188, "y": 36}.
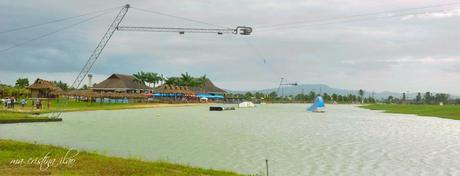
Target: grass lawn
{"x": 83, "y": 163}
{"x": 446, "y": 111}
{"x": 72, "y": 105}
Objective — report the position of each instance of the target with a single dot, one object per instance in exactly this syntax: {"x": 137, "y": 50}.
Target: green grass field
{"x": 84, "y": 163}
{"x": 72, "y": 105}
{"x": 447, "y": 111}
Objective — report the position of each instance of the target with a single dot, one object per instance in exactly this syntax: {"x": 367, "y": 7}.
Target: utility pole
{"x": 266, "y": 165}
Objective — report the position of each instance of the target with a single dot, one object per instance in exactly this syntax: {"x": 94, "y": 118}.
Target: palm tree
{"x": 140, "y": 77}
{"x": 173, "y": 81}
{"x": 201, "y": 81}
{"x": 156, "y": 78}
{"x": 150, "y": 78}
{"x": 187, "y": 80}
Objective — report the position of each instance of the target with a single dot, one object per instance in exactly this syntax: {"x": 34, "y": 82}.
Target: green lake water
{"x": 346, "y": 140}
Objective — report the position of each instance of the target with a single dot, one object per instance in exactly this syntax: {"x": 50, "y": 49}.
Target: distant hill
{"x": 306, "y": 88}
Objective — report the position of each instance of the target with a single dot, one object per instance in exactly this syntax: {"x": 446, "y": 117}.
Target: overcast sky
{"x": 412, "y": 52}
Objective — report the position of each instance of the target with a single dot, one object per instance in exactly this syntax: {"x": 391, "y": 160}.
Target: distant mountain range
{"x": 306, "y": 88}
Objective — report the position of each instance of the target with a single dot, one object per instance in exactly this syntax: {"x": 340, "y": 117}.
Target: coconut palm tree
{"x": 150, "y": 78}
{"x": 173, "y": 81}
{"x": 140, "y": 77}
{"x": 156, "y": 78}
{"x": 187, "y": 80}
{"x": 201, "y": 81}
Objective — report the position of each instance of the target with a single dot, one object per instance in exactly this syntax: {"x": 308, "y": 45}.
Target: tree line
{"x": 301, "y": 98}
{"x": 425, "y": 98}
{"x": 18, "y": 90}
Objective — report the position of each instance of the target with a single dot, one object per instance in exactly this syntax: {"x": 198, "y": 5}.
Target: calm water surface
{"x": 344, "y": 141}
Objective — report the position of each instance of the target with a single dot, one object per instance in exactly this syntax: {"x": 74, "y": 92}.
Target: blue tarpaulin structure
{"x": 318, "y": 104}
{"x": 213, "y": 96}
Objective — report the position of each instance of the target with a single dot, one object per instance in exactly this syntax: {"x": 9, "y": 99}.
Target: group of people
{"x": 10, "y": 102}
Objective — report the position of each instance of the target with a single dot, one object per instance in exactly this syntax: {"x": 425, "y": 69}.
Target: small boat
{"x": 246, "y": 104}
{"x": 220, "y": 108}
{"x": 318, "y": 105}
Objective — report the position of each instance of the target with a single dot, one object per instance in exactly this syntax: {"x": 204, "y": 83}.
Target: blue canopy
{"x": 210, "y": 96}
{"x": 319, "y": 103}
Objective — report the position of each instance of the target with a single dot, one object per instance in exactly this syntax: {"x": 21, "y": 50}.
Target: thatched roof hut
{"x": 208, "y": 87}
{"x": 44, "y": 89}
{"x": 173, "y": 89}
{"x": 122, "y": 84}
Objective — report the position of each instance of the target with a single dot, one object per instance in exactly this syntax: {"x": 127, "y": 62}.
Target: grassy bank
{"x": 447, "y": 111}
{"x": 84, "y": 163}
{"x": 21, "y": 117}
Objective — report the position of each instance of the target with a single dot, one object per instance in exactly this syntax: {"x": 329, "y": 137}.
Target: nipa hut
{"x": 120, "y": 83}
{"x": 44, "y": 89}
{"x": 208, "y": 88}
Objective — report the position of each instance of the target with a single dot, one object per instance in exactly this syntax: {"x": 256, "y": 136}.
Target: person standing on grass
{"x": 8, "y": 103}
{"x": 48, "y": 104}
{"x": 33, "y": 104}
{"x": 39, "y": 104}
{"x": 13, "y": 100}
{"x": 23, "y": 103}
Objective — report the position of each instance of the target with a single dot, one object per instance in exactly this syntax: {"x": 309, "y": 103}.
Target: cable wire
{"x": 358, "y": 15}
{"x": 262, "y": 56}
{"x": 179, "y": 17}
{"x": 50, "y": 33}
{"x": 55, "y": 21}
{"x": 339, "y": 21}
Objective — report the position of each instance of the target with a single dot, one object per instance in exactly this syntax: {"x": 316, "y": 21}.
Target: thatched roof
{"x": 44, "y": 84}
{"x": 207, "y": 88}
{"x": 120, "y": 81}
{"x": 166, "y": 88}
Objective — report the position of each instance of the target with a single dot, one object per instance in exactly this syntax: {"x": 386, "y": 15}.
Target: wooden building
{"x": 208, "y": 88}
{"x": 44, "y": 89}
{"x": 119, "y": 83}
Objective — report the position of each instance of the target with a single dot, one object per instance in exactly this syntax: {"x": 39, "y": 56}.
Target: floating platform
{"x": 220, "y": 108}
